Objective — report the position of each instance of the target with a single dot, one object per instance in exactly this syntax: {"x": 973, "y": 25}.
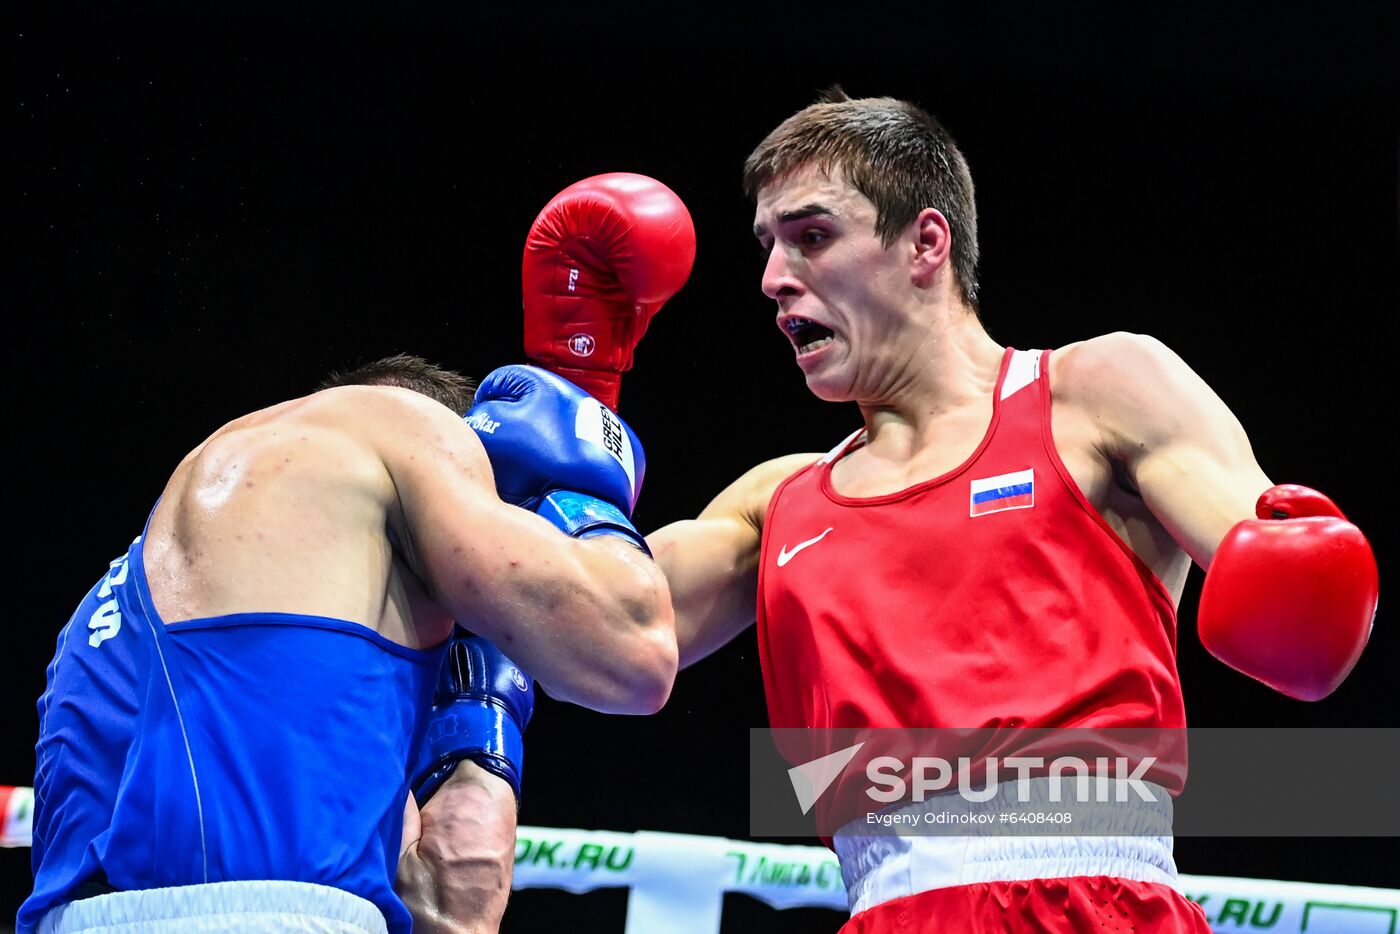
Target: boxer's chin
{"x": 830, "y": 385}
{"x": 825, "y": 371}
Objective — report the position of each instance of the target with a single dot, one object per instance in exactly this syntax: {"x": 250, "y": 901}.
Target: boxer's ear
{"x": 932, "y": 241}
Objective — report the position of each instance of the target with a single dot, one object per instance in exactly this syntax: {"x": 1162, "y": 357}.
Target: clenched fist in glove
{"x": 600, "y": 260}
{"x": 482, "y": 706}
{"x": 1290, "y": 597}
{"x": 557, "y": 451}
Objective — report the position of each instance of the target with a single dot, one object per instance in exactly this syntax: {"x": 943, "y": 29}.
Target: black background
{"x": 211, "y": 208}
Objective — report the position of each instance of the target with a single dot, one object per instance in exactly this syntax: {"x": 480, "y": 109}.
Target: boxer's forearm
{"x": 455, "y": 878}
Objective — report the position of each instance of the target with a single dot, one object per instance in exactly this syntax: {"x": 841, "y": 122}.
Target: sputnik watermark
{"x": 1108, "y": 779}
{"x": 1106, "y": 776}
{"x": 1120, "y": 781}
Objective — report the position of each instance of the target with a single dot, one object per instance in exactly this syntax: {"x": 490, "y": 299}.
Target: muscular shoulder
{"x": 409, "y": 434}
{"x": 356, "y": 407}
{"x": 765, "y": 478}
{"x": 1110, "y": 363}
{"x": 328, "y": 436}
{"x": 1133, "y": 388}
{"x": 360, "y": 436}
{"x": 393, "y": 420}
{"x": 748, "y": 496}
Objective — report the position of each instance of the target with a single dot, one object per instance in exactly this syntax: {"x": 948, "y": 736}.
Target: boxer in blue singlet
{"x": 236, "y": 711}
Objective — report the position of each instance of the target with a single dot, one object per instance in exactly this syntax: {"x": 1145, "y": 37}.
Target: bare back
{"x": 288, "y": 510}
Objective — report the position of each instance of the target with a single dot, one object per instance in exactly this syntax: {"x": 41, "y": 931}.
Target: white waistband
{"x": 897, "y": 854}
{"x": 220, "y": 908}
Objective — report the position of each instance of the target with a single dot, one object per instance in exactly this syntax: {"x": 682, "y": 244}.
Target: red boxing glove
{"x": 1291, "y": 596}
{"x": 603, "y": 257}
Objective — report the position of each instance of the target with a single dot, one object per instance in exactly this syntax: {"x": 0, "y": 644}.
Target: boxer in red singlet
{"x": 1004, "y": 543}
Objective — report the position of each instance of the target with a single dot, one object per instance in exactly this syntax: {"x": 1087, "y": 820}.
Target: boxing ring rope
{"x": 677, "y": 882}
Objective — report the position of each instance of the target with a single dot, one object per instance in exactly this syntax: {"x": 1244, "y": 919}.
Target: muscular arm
{"x": 1176, "y": 441}
{"x": 589, "y": 619}
{"x": 711, "y": 562}
{"x": 458, "y": 854}
{"x": 1289, "y": 596}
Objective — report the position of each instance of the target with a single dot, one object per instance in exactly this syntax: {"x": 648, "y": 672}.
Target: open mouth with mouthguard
{"x": 806, "y": 335}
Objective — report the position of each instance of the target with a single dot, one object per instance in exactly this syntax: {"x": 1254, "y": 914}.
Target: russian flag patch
{"x": 998, "y": 494}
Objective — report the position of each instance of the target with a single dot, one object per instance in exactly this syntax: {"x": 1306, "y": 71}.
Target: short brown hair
{"x": 889, "y": 150}
{"x": 449, "y": 387}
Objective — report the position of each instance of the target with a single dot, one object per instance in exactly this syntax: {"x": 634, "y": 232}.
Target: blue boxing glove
{"x": 482, "y": 705}
{"x": 559, "y": 452}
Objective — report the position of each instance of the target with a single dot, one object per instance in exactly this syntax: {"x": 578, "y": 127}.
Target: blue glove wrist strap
{"x": 470, "y": 728}
{"x": 584, "y": 516}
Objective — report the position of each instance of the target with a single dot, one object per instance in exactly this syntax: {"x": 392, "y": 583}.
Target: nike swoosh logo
{"x": 784, "y": 556}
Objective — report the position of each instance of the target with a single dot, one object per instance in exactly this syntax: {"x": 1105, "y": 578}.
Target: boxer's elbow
{"x": 636, "y": 656}
{"x": 641, "y": 684}
{"x": 660, "y": 660}
{"x": 646, "y": 650}
{"x": 631, "y": 677}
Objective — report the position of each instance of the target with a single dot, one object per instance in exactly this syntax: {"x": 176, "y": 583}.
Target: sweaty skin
{"x": 377, "y": 505}
{"x": 1150, "y": 445}
{"x": 293, "y": 508}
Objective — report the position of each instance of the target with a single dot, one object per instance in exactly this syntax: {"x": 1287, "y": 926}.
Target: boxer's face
{"x": 843, "y": 298}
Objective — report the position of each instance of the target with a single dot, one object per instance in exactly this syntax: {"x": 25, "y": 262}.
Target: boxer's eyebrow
{"x": 814, "y": 209}
{"x": 807, "y": 210}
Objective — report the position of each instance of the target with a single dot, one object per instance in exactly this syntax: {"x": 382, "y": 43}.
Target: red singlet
{"x": 992, "y": 596}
